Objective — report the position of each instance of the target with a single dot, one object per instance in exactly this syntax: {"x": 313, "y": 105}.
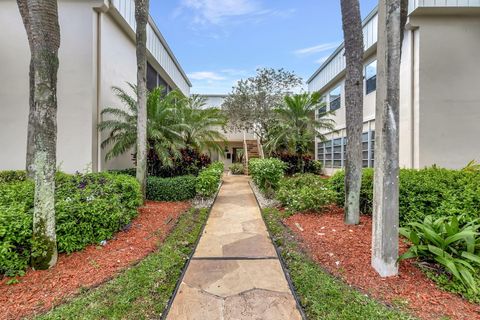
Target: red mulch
{"x": 39, "y": 291}
{"x": 345, "y": 252}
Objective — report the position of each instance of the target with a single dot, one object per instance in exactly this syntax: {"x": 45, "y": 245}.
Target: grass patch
{"x": 322, "y": 295}
{"x": 143, "y": 291}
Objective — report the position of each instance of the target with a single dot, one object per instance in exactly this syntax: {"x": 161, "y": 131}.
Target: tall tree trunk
{"x": 353, "y": 35}
{"x": 386, "y": 183}
{"x": 141, "y": 17}
{"x": 41, "y": 23}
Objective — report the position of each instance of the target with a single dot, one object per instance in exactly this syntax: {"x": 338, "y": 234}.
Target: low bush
{"x": 190, "y": 162}
{"x": 296, "y": 164}
{"x": 305, "y": 192}
{"x": 129, "y": 172}
{"x": 317, "y": 167}
{"x": 236, "y": 168}
{"x": 12, "y": 176}
{"x": 267, "y": 173}
{"x": 171, "y": 189}
{"x": 89, "y": 208}
{"x": 431, "y": 191}
{"x": 443, "y": 241}
{"x": 209, "y": 179}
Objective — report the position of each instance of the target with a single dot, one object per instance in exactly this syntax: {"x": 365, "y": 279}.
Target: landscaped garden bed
{"x": 38, "y": 291}
{"x": 344, "y": 251}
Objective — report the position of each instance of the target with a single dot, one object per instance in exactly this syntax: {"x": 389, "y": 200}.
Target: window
{"x": 155, "y": 80}
{"x": 337, "y": 153}
{"x": 372, "y": 149}
{"x": 371, "y": 77}
{"x": 365, "y": 151}
{"x": 335, "y": 98}
{"x": 323, "y": 106}
{"x": 321, "y": 152}
{"x": 328, "y": 154}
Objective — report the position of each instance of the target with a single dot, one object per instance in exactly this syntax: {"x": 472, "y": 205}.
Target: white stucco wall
{"x": 75, "y": 87}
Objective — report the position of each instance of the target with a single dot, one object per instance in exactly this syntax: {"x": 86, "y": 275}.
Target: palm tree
{"x": 203, "y": 125}
{"x": 164, "y": 130}
{"x": 297, "y": 125}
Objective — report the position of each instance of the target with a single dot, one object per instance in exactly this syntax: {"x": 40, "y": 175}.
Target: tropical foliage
{"x": 298, "y": 122}
{"x": 174, "y": 122}
{"x": 445, "y": 242}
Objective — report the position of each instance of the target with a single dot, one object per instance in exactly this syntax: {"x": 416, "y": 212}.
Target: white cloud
{"x": 214, "y": 11}
{"x": 316, "y": 49}
{"x": 206, "y": 75}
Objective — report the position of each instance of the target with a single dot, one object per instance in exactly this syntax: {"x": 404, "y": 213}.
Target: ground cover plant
{"x": 322, "y": 296}
{"x": 141, "y": 292}
{"x": 237, "y": 168}
{"x": 89, "y": 208}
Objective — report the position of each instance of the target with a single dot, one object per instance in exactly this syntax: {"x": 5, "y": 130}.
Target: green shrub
{"x": 267, "y": 173}
{"x": 305, "y": 192}
{"x": 89, "y": 208}
{"x": 317, "y": 167}
{"x": 430, "y": 191}
{"x": 209, "y": 179}
{"x": 12, "y": 176}
{"x": 236, "y": 168}
{"x": 445, "y": 242}
{"x": 129, "y": 172}
{"x": 171, "y": 189}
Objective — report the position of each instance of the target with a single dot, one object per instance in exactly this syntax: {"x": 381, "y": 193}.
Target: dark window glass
{"x": 151, "y": 78}
{"x": 335, "y": 98}
{"x": 371, "y": 77}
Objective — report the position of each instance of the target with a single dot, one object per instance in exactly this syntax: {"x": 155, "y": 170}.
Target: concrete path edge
{"x": 282, "y": 261}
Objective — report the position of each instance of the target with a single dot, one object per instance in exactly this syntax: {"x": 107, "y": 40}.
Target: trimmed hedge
{"x": 431, "y": 191}
{"x": 89, "y": 208}
{"x": 171, "y": 189}
{"x": 208, "y": 179}
{"x": 267, "y": 173}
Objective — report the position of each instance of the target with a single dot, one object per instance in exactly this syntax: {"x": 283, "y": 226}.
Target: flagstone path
{"x": 235, "y": 272}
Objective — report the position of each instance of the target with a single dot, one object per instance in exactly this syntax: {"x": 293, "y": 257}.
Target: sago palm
{"x": 163, "y": 128}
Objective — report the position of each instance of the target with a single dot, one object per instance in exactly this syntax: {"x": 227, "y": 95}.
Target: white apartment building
{"x": 439, "y": 88}
{"x": 97, "y": 52}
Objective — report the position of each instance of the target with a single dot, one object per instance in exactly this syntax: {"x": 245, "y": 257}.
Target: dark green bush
{"x": 171, "y": 189}
{"x": 267, "y": 173}
{"x": 305, "y": 192}
{"x": 209, "y": 179}
{"x": 431, "y": 191}
{"x": 129, "y": 172}
{"x": 12, "y": 176}
{"x": 89, "y": 208}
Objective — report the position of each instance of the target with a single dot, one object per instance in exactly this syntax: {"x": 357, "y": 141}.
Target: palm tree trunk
{"x": 386, "y": 184}
{"x": 41, "y": 23}
{"x": 353, "y": 35}
{"x": 141, "y": 17}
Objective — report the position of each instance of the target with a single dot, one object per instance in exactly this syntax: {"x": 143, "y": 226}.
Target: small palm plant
{"x": 297, "y": 126}
{"x": 164, "y": 130}
{"x": 444, "y": 242}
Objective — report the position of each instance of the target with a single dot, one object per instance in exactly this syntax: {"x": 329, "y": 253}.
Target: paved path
{"x": 235, "y": 272}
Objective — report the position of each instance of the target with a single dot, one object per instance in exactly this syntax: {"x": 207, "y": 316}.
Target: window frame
{"x": 373, "y": 77}
{"x": 339, "y": 98}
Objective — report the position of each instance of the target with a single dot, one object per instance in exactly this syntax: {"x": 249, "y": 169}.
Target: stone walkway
{"x": 235, "y": 272}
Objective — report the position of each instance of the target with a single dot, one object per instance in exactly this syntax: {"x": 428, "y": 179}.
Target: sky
{"x": 219, "y": 42}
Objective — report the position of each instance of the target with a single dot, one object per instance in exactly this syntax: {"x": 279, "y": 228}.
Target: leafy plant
{"x": 445, "y": 242}
{"x": 305, "y": 192}
{"x": 209, "y": 179}
{"x": 472, "y": 166}
{"x": 237, "y": 168}
{"x": 171, "y": 189}
{"x": 317, "y": 167}
{"x": 88, "y": 207}
{"x": 267, "y": 173}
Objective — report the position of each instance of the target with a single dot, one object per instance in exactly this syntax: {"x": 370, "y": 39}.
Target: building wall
{"x": 76, "y": 89}
{"x": 449, "y": 114}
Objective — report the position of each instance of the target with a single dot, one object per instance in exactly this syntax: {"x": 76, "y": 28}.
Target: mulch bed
{"x": 39, "y": 291}
{"x": 345, "y": 252}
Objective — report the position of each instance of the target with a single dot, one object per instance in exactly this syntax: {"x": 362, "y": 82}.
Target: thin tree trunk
{"x": 386, "y": 183}
{"x": 41, "y": 23}
{"x": 353, "y": 35}
{"x": 141, "y": 17}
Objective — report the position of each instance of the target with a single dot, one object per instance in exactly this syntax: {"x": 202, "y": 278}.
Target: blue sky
{"x": 219, "y": 42}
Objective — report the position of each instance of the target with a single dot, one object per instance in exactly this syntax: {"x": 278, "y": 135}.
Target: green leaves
{"x": 267, "y": 173}
{"x": 171, "y": 189}
{"x": 447, "y": 243}
{"x": 209, "y": 179}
